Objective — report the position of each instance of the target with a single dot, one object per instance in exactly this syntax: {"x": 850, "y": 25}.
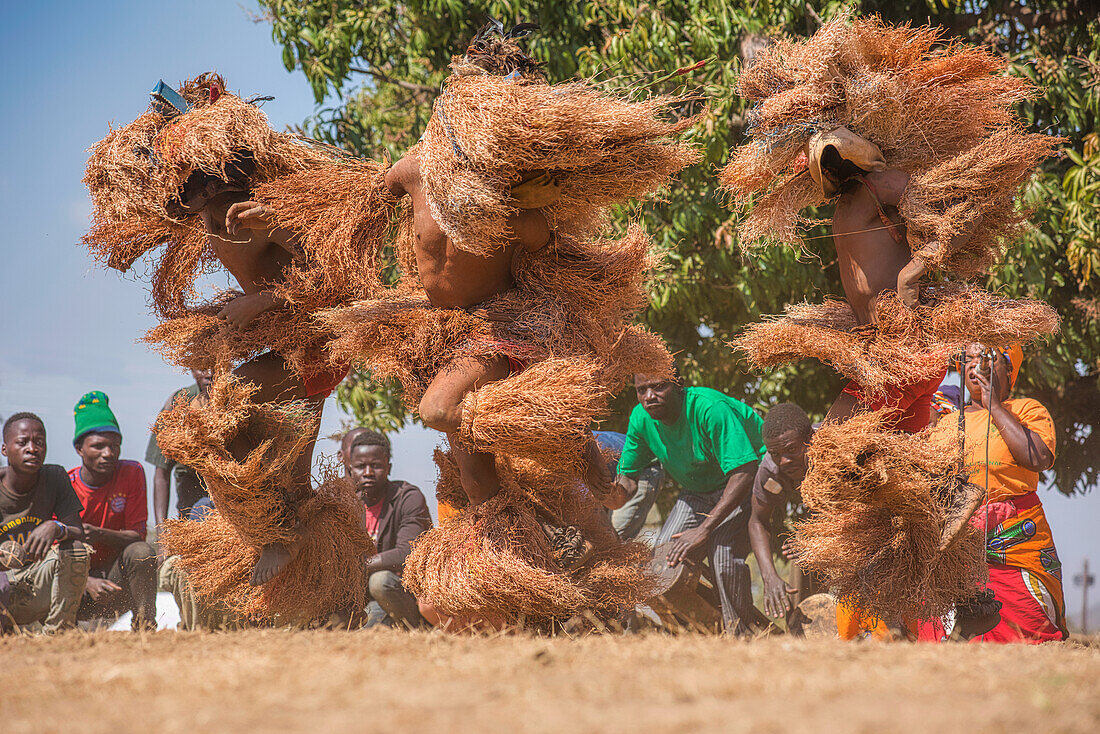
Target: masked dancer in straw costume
{"x": 920, "y": 152}
{"x": 914, "y": 140}
{"x": 188, "y": 178}
{"x": 509, "y": 328}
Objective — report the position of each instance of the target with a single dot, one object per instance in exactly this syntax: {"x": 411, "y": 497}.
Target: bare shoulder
{"x": 530, "y": 228}
{"x": 888, "y": 185}
{"x": 403, "y": 174}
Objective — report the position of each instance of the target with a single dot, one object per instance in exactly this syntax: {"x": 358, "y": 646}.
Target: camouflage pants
{"x": 195, "y": 613}
{"x": 49, "y": 591}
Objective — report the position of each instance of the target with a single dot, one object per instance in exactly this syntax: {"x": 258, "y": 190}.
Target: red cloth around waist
{"x": 324, "y": 381}
{"x": 910, "y": 404}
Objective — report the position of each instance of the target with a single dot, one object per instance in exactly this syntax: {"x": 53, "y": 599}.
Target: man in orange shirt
{"x": 1008, "y": 443}
{"x": 123, "y": 570}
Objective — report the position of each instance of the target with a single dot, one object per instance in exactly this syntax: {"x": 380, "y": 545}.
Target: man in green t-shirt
{"x": 711, "y": 445}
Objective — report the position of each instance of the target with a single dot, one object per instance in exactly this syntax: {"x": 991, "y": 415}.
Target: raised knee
{"x": 382, "y": 584}
{"x": 140, "y": 555}
{"x": 440, "y": 414}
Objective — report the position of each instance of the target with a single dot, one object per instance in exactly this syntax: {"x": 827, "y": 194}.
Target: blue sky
{"x": 69, "y": 69}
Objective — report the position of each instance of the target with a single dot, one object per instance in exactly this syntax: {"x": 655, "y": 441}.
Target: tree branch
{"x": 1014, "y": 11}
{"x": 411, "y": 86}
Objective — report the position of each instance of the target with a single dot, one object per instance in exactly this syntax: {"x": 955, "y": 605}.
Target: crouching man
{"x": 711, "y": 445}
{"x": 395, "y": 514}
{"x": 40, "y": 582}
{"x": 123, "y": 573}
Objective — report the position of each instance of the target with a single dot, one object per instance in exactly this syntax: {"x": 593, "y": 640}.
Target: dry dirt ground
{"x": 322, "y": 681}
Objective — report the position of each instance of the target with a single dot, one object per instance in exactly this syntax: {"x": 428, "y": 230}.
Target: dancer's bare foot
{"x": 486, "y": 621}
{"x": 273, "y": 559}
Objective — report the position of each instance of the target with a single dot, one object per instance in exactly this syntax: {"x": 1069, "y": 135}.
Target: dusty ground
{"x": 275, "y": 681}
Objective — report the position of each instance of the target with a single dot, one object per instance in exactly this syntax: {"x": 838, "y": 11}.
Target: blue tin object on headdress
{"x": 168, "y": 101}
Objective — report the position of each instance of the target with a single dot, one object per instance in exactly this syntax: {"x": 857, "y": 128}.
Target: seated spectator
{"x": 192, "y": 500}
{"x": 39, "y": 581}
{"x": 787, "y": 433}
{"x": 395, "y": 514}
{"x": 629, "y": 519}
{"x": 123, "y": 572}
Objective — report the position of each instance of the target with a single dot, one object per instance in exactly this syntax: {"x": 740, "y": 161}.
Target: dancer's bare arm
{"x": 243, "y": 310}
{"x": 530, "y": 229}
{"x": 889, "y": 188}
{"x": 622, "y": 489}
{"x": 400, "y": 175}
{"x": 909, "y": 277}
{"x": 255, "y": 216}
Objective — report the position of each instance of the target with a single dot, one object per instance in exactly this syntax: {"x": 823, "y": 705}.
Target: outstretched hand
{"x": 247, "y": 215}
{"x": 787, "y": 549}
{"x": 777, "y": 597}
{"x": 96, "y": 587}
{"x": 909, "y": 293}
{"x": 909, "y": 279}
{"x": 600, "y": 481}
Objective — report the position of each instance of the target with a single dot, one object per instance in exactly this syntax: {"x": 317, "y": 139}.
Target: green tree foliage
{"x": 375, "y": 69}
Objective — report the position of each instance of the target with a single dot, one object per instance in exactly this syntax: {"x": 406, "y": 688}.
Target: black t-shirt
{"x": 52, "y": 496}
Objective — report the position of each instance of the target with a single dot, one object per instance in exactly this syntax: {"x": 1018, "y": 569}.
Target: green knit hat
{"x": 93, "y": 414}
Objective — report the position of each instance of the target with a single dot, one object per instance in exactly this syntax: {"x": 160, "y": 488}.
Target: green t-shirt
{"x": 714, "y": 435}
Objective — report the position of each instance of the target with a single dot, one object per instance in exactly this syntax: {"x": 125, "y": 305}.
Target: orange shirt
{"x": 1006, "y": 478}
{"x": 446, "y": 512}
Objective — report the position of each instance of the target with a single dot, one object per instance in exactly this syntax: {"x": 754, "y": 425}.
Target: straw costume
{"x": 882, "y": 98}
{"x": 501, "y": 141}
{"x": 879, "y": 502}
{"x": 149, "y": 181}
{"x": 857, "y": 108}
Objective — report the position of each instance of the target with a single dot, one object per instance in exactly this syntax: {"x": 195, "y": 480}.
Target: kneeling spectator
{"x": 395, "y": 513}
{"x": 123, "y": 573}
{"x": 39, "y": 582}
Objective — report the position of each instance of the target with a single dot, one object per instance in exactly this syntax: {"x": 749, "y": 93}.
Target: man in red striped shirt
{"x": 123, "y": 566}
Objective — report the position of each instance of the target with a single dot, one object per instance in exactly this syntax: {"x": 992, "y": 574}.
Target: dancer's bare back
{"x": 871, "y": 259}
{"x": 454, "y": 278}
